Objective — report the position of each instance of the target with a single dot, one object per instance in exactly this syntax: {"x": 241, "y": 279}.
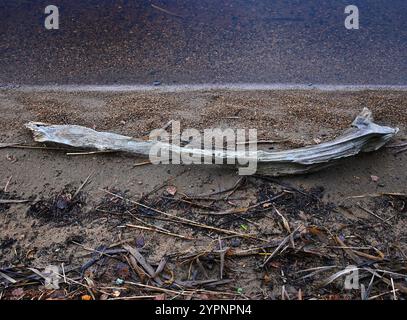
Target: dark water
{"x": 203, "y": 41}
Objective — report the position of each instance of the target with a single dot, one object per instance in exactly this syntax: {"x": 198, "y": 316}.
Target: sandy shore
{"x": 32, "y": 237}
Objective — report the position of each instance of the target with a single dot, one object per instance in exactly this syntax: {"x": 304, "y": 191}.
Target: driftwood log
{"x": 363, "y": 136}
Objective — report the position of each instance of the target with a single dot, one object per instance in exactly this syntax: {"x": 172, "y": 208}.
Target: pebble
{"x": 235, "y": 242}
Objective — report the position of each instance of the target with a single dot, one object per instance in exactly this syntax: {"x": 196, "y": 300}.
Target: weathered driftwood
{"x": 364, "y": 136}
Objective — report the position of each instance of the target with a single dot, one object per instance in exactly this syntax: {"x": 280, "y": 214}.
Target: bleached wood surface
{"x": 363, "y": 136}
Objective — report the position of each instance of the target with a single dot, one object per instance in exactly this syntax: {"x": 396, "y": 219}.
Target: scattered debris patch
{"x": 115, "y": 202}
{"x": 397, "y": 202}
{"x": 307, "y": 202}
{"x": 4, "y": 196}
{"x": 287, "y": 242}
{"x": 6, "y": 243}
{"x": 65, "y": 207}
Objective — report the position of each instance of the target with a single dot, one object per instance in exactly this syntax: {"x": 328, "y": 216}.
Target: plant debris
{"x": 304, "y": 247}
{"x": 60, "y": 208}
{"x": 4, "y": 196}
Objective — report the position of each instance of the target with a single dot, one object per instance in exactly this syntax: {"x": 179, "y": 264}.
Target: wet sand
{"x": 132, "y": 42}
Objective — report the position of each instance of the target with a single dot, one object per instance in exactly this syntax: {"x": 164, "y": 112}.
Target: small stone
{"x": 235, "y": 242}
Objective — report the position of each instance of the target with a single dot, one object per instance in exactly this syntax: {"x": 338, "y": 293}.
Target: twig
{"x": 139, "y": 164}
{"x": 222, "y": 252}
{"x": 400, "y": 151}
{"x": 186, "y": 221}
{"x": 183, "y": 293}
{"x": 284, "y": 185}
{"x": 134, "y": 298}
{"x": 13, "y": 201}
{"x": 369, "y": 288}
{"x": 207, "y": 283}
{"x": 216, "y": 192}
{"x": 285, "y": 240}
{"x": 285, "y": 221}
{"x": 315, "y": 271}
{"x": 349, "y": 252}
{"x": 337, "y": 275}
{"x": 9, "y": 279}
{"x": 81, "y": 186}
{"x": 235, "y": 187}
{"x": 383, "y": 294}
{"x": 231, "y": 117}
{"x": 166, "y": 11}
{"x": 374, "y": 214}
{"x": 137, "y": 269}
{"x": 161, "y": 266}
{"x": 143, "y": 262}
{"x": 189, "y": 202}
{"x": 391, "y": 194}
{"x": 394, "y": 291}
{"x": 7, "y": 145}
{"x": 159, "y": 187}
{"x": 243, "y": 210}
{"x": 21, "y": 146}
{"x": 159, "y": 231}
{"x": 146, "y": 286}
{"x": 7, "y": 184}
{"x": 63, "y": 271}
{"x": 403, "y": 144}
{"x": 200, "y": 265}
{"x": 106, "y": 251}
